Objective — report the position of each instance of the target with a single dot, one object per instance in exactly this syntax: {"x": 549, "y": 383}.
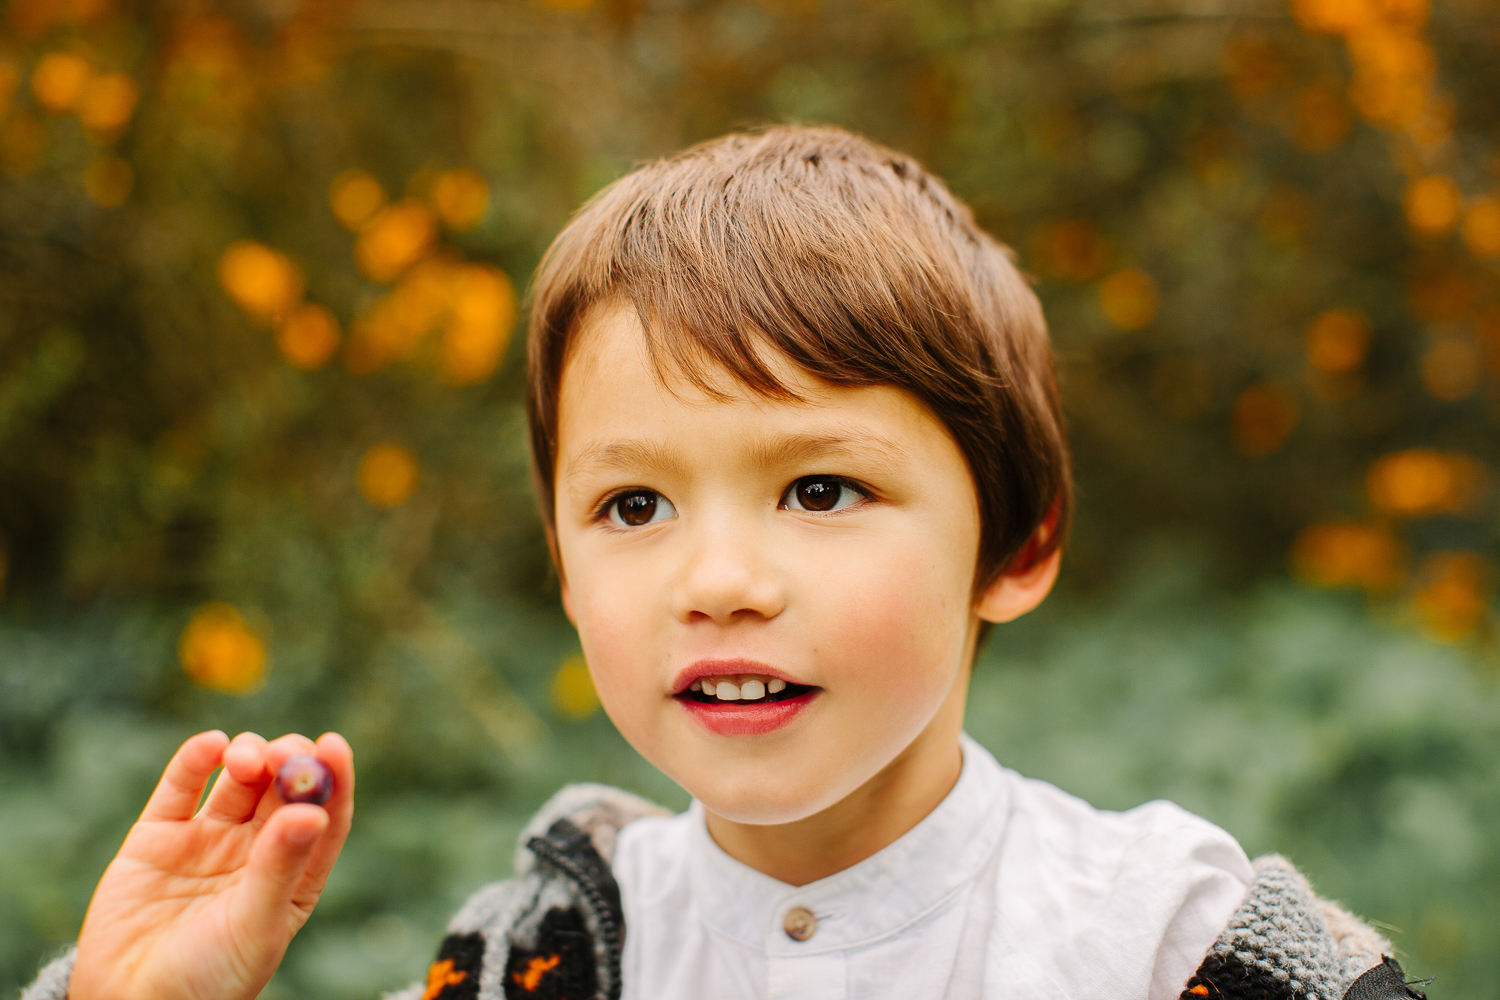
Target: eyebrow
{"x": 630, "y": 456}
{"x": 791, "y": 448}
{"x": 623, "y": 456}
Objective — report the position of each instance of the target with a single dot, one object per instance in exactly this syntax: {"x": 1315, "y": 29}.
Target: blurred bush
{"x": 262, "y": 453}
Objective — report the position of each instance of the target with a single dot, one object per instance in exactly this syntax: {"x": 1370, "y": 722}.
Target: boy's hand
{"x": 199, "y": 906}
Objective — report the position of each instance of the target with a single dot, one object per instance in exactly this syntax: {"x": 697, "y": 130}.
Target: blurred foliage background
{"x": 261, "y": 443}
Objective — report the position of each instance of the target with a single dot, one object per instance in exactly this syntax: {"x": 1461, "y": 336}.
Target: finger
{"x": 181, "y": 786}
{"x": 283, "y": 748}
{"x": 242, "y": 782}
{"x": 278, "y": 752}
{"x": 245, "y": 758}
{"x": 277, "y": 862}
{"x": 333, "y": 750}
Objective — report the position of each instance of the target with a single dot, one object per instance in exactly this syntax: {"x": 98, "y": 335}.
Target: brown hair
{"x": 851, "y": 260}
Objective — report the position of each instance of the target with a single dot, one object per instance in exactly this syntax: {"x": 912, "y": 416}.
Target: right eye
{"x": 639, "y": 507}
{"x": 824, "y": 494}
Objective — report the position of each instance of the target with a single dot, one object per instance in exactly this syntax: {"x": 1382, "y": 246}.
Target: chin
{"x": 766, "y": 800}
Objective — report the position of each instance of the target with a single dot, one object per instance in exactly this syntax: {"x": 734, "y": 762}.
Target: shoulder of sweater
{"x": 557, "y": 927}
{"x": 1284, "y": 942}
{"x": 599, "y": 811}
{"x": 52, "y": 982}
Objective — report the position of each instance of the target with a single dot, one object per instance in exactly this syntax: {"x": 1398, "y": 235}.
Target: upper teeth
{"x": 745, "y": 687}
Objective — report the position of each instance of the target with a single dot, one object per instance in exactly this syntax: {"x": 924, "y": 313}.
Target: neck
{"x": 864, "y": 822}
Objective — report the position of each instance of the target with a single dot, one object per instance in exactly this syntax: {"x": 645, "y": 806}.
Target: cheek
{"x": 616, "y": 623}
{"x": 898, "y": 618}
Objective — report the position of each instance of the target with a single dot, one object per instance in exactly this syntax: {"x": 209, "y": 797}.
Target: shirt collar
{"x": 872, "y": 899}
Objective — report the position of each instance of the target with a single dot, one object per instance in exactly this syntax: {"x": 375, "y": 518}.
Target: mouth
{"x": 741, "y": 697}
{"x": 743, "y": 689}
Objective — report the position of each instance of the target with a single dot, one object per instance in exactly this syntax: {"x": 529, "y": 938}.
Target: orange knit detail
{"x": 535, "y": 970}
{"x": 441, "y": 975}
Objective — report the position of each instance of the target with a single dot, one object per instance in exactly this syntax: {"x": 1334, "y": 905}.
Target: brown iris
{"x": 819, "y": 494}
{"x": 636, "y": 508}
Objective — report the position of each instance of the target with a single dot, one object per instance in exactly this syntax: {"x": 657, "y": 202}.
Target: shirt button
{"x": 800, "y": 923}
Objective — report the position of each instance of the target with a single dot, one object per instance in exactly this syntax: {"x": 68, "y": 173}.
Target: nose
{"x": 727, "y": 576}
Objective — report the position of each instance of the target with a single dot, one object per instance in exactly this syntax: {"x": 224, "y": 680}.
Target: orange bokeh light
{"x": 399, "y": 320}
{"x": 1073, "y": 250}
{"x": 1392, "y": 101}
{"x": 573, "y": 689}
{"x": 1409, "y": 15}
{"x": 1432, "y": 204}
{"x": 460, "y": 197}
{"x": 1453, "y": 594}
{"x": 396, "y": 238}
{"x": 1419, "y": 483}
{"x": 388, "y": 475}
{"x": 1337, "y": 340}
{"x": 1439, "y": 294}
{"x": 1393, "y": 74}
{"x": 308, "y": 337}
{"x": 1481, "y": 230}
{"x": 32, "y": 18}
{"x": 1391, "y": 53}
{"x": 1321, "y": 119}
{"x": 473, "y": 304}
{"x": 1129, "y": 298}
{"x": 219, "y": 651}
{"x": 261, "y": 281}
{"x": 23, "y": 144}
{"x": 1451, "y": 368}
{"x": 1254, "y": 66}
{"x": 1264, "y": 417}
{"x": 60, "y": 80}
{"x": 205, "y": 60}
{"x": 1332, "y": 17}
{"x": 1394, "y": 77}
{"x": 483, "y": 315}
{"x": 355, "y": 197}
{"x": 108, "y": 103}
{"x": 1350, "y": 554}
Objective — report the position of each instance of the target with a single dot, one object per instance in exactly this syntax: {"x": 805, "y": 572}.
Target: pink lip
{"x": 728, "y": 718}
{"x": 732, "y": 719}
{"x": 726, "y": 668}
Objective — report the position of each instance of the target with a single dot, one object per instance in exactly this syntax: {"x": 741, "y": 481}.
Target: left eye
{"x": 640, "y": 507}
{"x": 820, "y": 494}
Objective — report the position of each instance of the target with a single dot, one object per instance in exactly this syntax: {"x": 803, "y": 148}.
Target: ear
{"x": 567, "y": 602}
{"x": 1026, "y": 582}
{"x": 1018, "y": 591}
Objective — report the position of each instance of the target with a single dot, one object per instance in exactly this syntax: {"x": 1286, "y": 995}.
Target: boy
{"x": 797, "y": 445}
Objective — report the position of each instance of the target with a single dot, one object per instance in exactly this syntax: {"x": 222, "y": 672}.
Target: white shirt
{"x": 1009, "y": 888}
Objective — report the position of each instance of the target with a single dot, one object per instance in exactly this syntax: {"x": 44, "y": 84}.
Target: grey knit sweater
{"x": 556, "y": 930}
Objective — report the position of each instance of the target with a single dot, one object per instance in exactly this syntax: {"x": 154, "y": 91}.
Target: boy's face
{"x": 822, "y": 550}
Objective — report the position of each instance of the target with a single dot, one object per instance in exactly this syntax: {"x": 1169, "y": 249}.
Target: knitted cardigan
{"x": 556, "y": 930}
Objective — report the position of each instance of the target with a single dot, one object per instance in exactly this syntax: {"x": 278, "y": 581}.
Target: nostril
{"x": 727, "y": 582}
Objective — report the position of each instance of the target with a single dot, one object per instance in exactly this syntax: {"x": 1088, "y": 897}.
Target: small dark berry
{"x": 304, "y": 778}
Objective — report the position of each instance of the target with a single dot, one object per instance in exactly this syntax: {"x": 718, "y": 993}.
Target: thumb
{"x": 277, "y": 863}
